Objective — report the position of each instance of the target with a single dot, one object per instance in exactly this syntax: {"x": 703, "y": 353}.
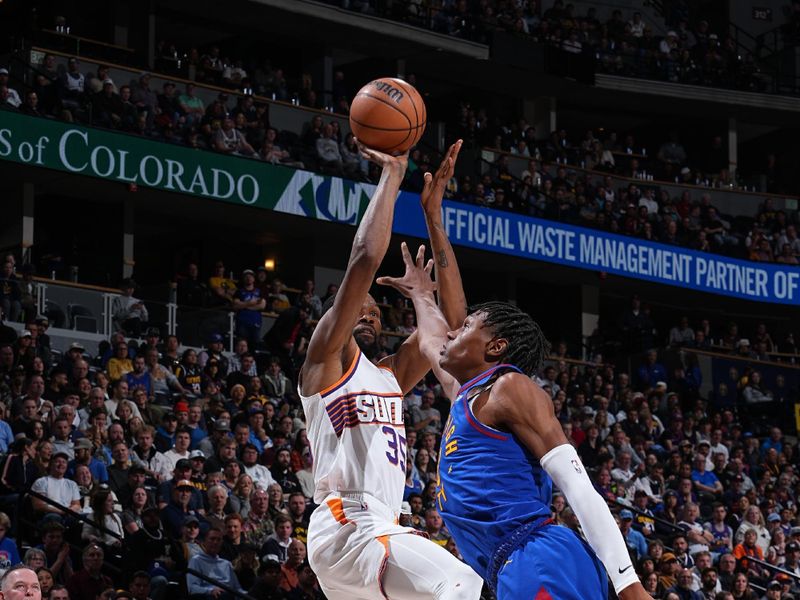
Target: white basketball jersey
{"x": 357, "y": 434}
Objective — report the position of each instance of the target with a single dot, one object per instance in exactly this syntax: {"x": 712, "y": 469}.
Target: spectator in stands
{"x": 56, "y": 487}
{"x": 215, "y": 567}
{"x": 31, "y": 104}
{"x": 754, "y": 392}
{"x": 327, "y": 149}
{"x": 71, "y": 86}
{"x": 229, "y": 140}
{"x": 223, "y": 288}
{"x": 10, "y": 292}
{"x": 274, "y": 153}
{"x": 248, "y": 304}
{"x": 89, "y": 582}
{"x": 129, "y": 313}
{"x": 12, "y": 96}
{"x": 191, "y": 105}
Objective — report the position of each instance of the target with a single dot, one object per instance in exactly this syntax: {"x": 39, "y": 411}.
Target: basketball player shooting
{"x": 502, "y": 449}
{"x": 354, "y": 411}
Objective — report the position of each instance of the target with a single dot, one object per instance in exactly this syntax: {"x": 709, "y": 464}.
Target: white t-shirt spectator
{"x": 63, "y": 490}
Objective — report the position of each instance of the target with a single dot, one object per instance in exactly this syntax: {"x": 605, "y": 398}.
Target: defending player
{"x": 355, "y": 425}
{"x": 500, "y": 448}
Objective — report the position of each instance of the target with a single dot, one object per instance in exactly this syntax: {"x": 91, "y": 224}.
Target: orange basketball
{"x": 389, "y": 115}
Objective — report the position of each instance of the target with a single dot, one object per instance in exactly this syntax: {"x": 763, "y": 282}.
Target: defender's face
{"x": 368, "y": 327}
{"x": 466, "y": 346}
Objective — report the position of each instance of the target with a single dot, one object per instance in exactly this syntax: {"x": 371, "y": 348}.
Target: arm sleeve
{"x": 564, "y": 466}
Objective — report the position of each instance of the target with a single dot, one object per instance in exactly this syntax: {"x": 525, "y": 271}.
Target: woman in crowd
{"x": 754, "y": 519}
{"x": 425, "y": 466}
{"x": 44, "y": 451}
{"x": 300, "y": 443}
{"x": 103, "y": 514}
{"x": 240, "y": 497}
{"x": 46, "y": 580}
{"x": 132, "y": 515}
{"x": 19, "y": 471}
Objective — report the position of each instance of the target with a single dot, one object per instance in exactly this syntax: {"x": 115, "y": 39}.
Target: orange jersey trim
{"x": 345, "y": 376}
{"x": 337, "y": 510}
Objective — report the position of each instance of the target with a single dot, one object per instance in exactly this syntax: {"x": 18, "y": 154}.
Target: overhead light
{"x": 269, "y": 264}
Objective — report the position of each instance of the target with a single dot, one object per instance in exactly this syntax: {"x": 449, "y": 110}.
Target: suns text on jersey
{"x": 380, "y": 409}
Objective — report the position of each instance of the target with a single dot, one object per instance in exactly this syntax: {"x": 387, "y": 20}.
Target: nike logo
{"x": 621, "y": 571}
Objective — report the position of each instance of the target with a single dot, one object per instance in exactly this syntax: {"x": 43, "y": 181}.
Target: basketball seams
{"x": 413, "y": 96}
{"x": 401, "y": 84}
{"x": 387, "y": 104}
{"x": 381, "y": 135}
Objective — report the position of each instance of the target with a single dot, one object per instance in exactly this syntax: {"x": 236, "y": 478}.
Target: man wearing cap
{"x": 792, "y": 556}
{"x": 248, "y": 304}
{"x": 12, "y": 97}
{"x": 174, "y": 513}
{"x": 214, "y": 350}
{"x": 668, "y": 569}
{"x": 269, "y": 576}
{"x": 182, "y": 472}
{"x": 129, "y": 313}
{"x": 634, "y": 540}
{"x": 209, "y": 446}
{"x": 84, "y": 455}
{"x": 774, "y": 590}
{"x": 56, "y": 487}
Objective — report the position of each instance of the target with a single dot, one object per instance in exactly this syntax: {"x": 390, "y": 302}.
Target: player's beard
{"x": 370, "y": 349}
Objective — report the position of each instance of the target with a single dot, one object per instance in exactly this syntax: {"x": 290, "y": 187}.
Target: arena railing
{"x": 124, "y": 542}
{"x": 82, "y": 312}
{"x": 775, "y": 568}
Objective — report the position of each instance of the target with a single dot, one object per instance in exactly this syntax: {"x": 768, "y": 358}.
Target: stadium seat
{"x": 81, "y": 318}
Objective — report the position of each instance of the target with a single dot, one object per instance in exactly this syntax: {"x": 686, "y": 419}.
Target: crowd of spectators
{"x": 623, "y": 44}
{"x": 547, "y": 188}
{"x": 639, "y": 209}
{"x": 186, "y": 458}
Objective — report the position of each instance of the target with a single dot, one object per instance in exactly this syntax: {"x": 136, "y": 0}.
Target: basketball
{"x": 388, "y": 115}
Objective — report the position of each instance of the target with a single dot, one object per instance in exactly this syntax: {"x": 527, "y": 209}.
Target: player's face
{"x": 368, "y": 328}
{"x": 465, "y": 348}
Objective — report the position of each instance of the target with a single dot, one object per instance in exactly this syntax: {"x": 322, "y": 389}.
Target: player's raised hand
{"x": 399, "y": 162}
{"x": 435, "y": 183}
{"x": 417, "y": 278}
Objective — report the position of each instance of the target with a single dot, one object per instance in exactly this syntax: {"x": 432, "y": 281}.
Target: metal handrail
{"x": 100, "y": 527}
{"x": 635, "y": 510}
{"x": 772, "y": 567}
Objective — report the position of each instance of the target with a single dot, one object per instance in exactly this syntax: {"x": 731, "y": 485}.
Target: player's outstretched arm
{"x": 333, "y": 333}
{"x": 432, "y": 328}
{"x": 408, "y": 363}
{"x": 452, "y": 300}
{"x": 535, "y": 425}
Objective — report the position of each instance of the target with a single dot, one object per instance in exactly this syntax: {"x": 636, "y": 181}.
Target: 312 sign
{"x": 762, "y": 13}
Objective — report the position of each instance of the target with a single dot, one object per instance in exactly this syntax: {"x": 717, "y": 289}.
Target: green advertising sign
{"x": 131, "y": 159}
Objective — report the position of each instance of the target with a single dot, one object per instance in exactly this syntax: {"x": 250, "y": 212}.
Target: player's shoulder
{"x": 513, "y": 388}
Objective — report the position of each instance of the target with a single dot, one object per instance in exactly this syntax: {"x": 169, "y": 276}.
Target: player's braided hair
{"x": 527, "y": 346}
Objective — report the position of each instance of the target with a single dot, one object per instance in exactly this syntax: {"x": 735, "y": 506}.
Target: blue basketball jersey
{"x": 489, "y": 483}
